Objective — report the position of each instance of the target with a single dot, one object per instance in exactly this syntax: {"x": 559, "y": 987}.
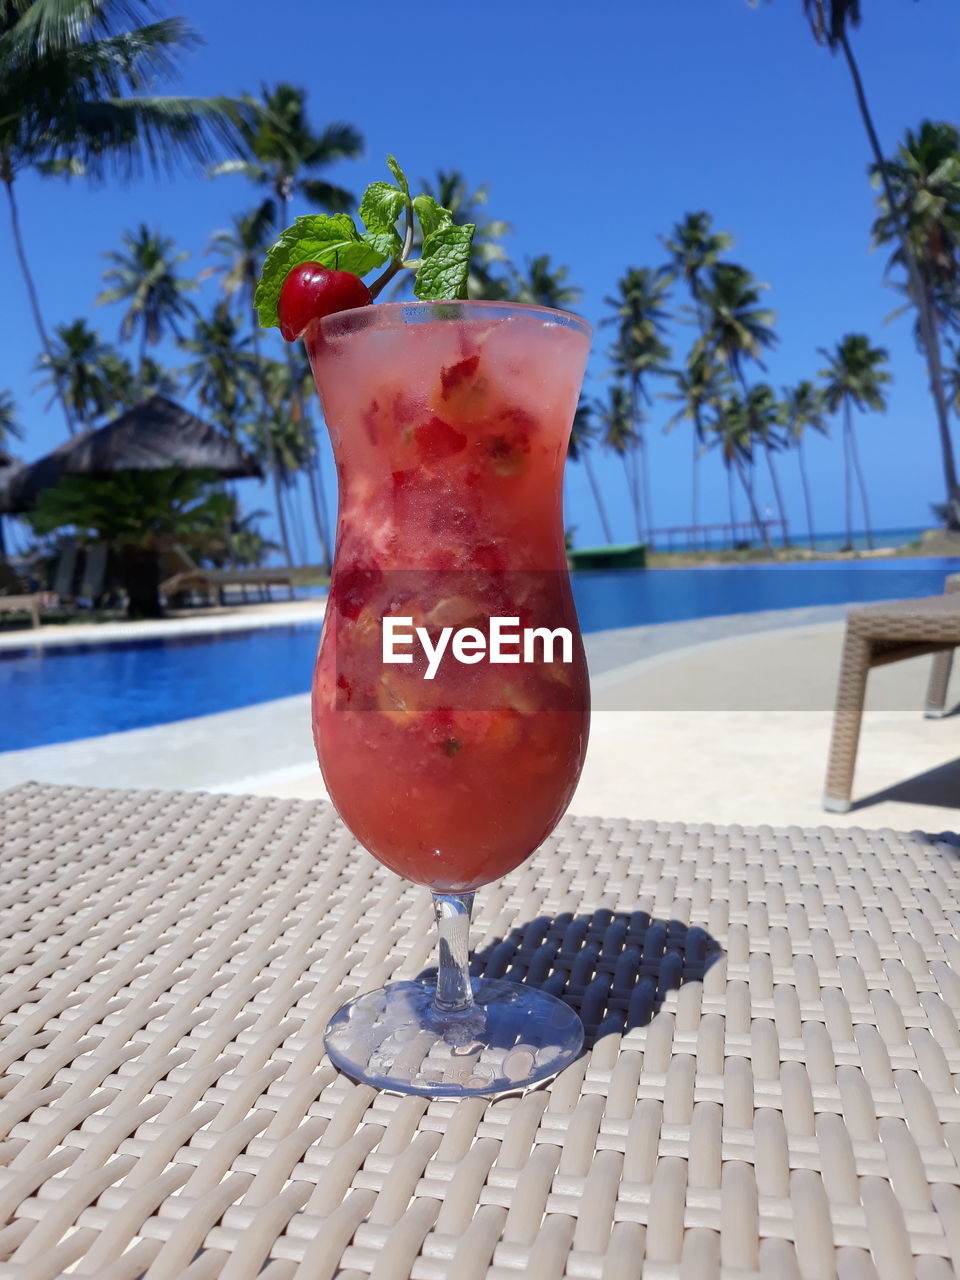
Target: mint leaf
{"x": 387, "y": 243}
{"x": 400, "y": 176}
{"x": 381, "y": 206}
{"x": 444, "y": 264}
{"x": 432, "y": 215}
{"x": 331, "y": 239}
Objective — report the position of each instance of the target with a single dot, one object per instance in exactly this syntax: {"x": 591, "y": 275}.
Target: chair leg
{"x": 847, "y": 718}
{"x": 937, "y": 688}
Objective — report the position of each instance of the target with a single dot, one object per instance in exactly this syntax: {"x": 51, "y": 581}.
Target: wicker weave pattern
{"x": 877, "y": 634}
{"x": 770, "y": 1087}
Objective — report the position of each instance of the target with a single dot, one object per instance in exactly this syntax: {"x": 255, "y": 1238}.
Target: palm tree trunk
{"x": 847, "y": 478}
{"x": 278, "y": 503}
{"x": 143, "y": 360}
{"x": 752, "y": 502}
{"x": 319, "y": 518}
{"x": 271, "y": 451}
{"x": 775, "y": 481}
{"x": 35, "y": 302}
{"x": 634, "y": 496}
{"x": 642, "y": 458}
{"x": 638, "y": 462}
{"x": 695, "y": 506}
{"x": 919, "y": 295}
{"x": 302, "y": 522}
{"x": 862, "y": 487}
{"x": 295, "y": 496}
{"x": 806, "y": 492}
{"x": 733, "y": 506}
{"x": 647, "y": 497}
{"x": 591, "y": 476}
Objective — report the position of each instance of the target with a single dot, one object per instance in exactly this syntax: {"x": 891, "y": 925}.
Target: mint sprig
{"x": 445, "y": 263}
{"x": 334, "y": 241}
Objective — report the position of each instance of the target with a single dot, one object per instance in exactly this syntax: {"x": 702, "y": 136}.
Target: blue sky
{"x": 596, "y": 129}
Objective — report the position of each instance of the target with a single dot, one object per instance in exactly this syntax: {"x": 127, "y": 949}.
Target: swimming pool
{"x": 59, "y": 693}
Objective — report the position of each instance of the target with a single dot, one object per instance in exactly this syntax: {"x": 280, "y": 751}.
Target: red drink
{"x": 449, "y": 425}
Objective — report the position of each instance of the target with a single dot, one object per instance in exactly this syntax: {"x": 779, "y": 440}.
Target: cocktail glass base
{"x": 396, "y": 1038}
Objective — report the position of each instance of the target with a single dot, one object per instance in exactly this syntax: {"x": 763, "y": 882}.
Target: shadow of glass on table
{"x": 613, "y": 968}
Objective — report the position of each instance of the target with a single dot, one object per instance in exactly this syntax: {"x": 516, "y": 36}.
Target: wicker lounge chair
{"x": 14, "y": 598}
{"x": 876, "y": 635}
{"x": 184, "y": 577}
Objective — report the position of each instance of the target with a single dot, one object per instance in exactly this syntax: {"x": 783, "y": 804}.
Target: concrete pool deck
{"x": 712, "y": 720}
{"x": 195, "y": 622}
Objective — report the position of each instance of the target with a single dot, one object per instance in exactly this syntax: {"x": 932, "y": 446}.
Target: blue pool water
{"x": 55, "y": 694}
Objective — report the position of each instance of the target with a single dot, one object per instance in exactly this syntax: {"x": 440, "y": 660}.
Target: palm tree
{"x": 953, "y": 381}
{"x": 829, "y": 21}
{"x": 763, "y": 418}
{"x": 582, "y": 435}
{"x": 11, "y": 428}
{"x": 145, "y": 275}
{"x": 694, "y": 248}
{"x": 242, "y": 250}
{"x": 735, "y": 440}
{"x": 303, "y": 394}
{"x": 925, "y": 179}
{"x": 77, "y": 368}
{"x": 802, "y": 407}
{"x": 640, "y": 350}
{"x": 701, "y": 390}
{"x": 283, "y": 154}
{"x": 125, "y": 389}
{"x": 544, "y": 285}
{"x": 854, "y": 376}
{"x": 224, "y": 368}
{"x": 68, "y": 66}
{"x": 616, "y": 419}
{"x": 450, "y": 189}
{"x": 222, "y": 374}
{"x": 738, "y": 328}
{"x": 276, "y": 436}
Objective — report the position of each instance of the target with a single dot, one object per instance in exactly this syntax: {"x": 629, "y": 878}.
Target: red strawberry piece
{"x": 352, "y": 588}
{"x": 455, "y": 375}
{"x": 437, "y": 440}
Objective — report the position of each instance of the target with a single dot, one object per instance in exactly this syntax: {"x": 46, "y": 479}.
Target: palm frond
{"x": 45, "y": 26}
{"x": 338, "y": 141}
{"x": 249, "y": 169}
{"x": 127, "y": 135}
{"x": 327, "y": 195}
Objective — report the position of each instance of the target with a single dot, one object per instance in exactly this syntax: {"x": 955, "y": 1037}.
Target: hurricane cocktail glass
{"x": 450, "y": 759}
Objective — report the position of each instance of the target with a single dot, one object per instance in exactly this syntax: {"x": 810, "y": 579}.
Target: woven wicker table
{"x": 770, "y": 1085}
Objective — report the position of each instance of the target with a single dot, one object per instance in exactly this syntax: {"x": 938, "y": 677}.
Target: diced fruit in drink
{"x": 437, "y": 440}
{"x": 449, "y": 459}
{"x": 453, "y": 611}
{"x": 353, "y": 588}
{"x": 465, "y": 393}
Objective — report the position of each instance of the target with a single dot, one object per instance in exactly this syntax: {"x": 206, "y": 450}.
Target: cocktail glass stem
{"x": 453, "y": 912}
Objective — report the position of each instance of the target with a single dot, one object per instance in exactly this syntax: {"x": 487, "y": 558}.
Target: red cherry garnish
{"x": 311, "y": 291}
